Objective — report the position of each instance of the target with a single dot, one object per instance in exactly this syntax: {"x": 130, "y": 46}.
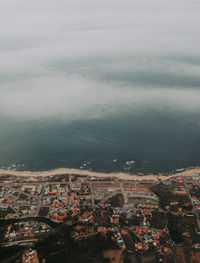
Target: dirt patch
{"x": 179, "y": 255}
{"x": 114, "y": 255}
{"x": 195, "y": 257}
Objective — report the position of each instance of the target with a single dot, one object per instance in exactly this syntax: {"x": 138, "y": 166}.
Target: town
{"x": 143, "y": 220}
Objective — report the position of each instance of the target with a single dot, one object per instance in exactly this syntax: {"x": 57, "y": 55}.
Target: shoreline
{"x": 119, "y": 175}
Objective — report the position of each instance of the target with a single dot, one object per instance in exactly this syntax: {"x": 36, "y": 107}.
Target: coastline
{"x": 119, "y": 175}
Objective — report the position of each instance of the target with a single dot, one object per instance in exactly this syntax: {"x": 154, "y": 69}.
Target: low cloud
{"x": 74, "y": 98}
{"x": 78, "y": 59}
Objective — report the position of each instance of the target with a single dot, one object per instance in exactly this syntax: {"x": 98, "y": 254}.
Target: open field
{"x": 115, "y": 255}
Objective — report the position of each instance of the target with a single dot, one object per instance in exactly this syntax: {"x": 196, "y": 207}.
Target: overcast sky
{"x": 88, "y": 59}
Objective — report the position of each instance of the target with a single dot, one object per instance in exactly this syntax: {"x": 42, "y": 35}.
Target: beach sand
{"x": 120, "y": 175}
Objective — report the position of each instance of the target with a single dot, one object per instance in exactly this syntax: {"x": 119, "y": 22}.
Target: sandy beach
{"x": 120, "y": 175}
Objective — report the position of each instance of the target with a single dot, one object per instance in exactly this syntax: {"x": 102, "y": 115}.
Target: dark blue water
{"x": 156, "y": 141}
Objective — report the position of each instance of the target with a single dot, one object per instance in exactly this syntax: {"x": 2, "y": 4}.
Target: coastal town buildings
{"x": 137, "y": 216}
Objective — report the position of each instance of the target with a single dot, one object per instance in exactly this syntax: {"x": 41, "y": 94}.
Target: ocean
{"x": 151, "y": 141}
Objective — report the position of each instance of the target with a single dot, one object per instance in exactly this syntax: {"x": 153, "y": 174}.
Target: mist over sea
{"x": 101, "y": 85}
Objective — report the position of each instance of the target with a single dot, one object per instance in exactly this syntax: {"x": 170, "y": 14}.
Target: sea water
{"x": 151, "y": 141}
